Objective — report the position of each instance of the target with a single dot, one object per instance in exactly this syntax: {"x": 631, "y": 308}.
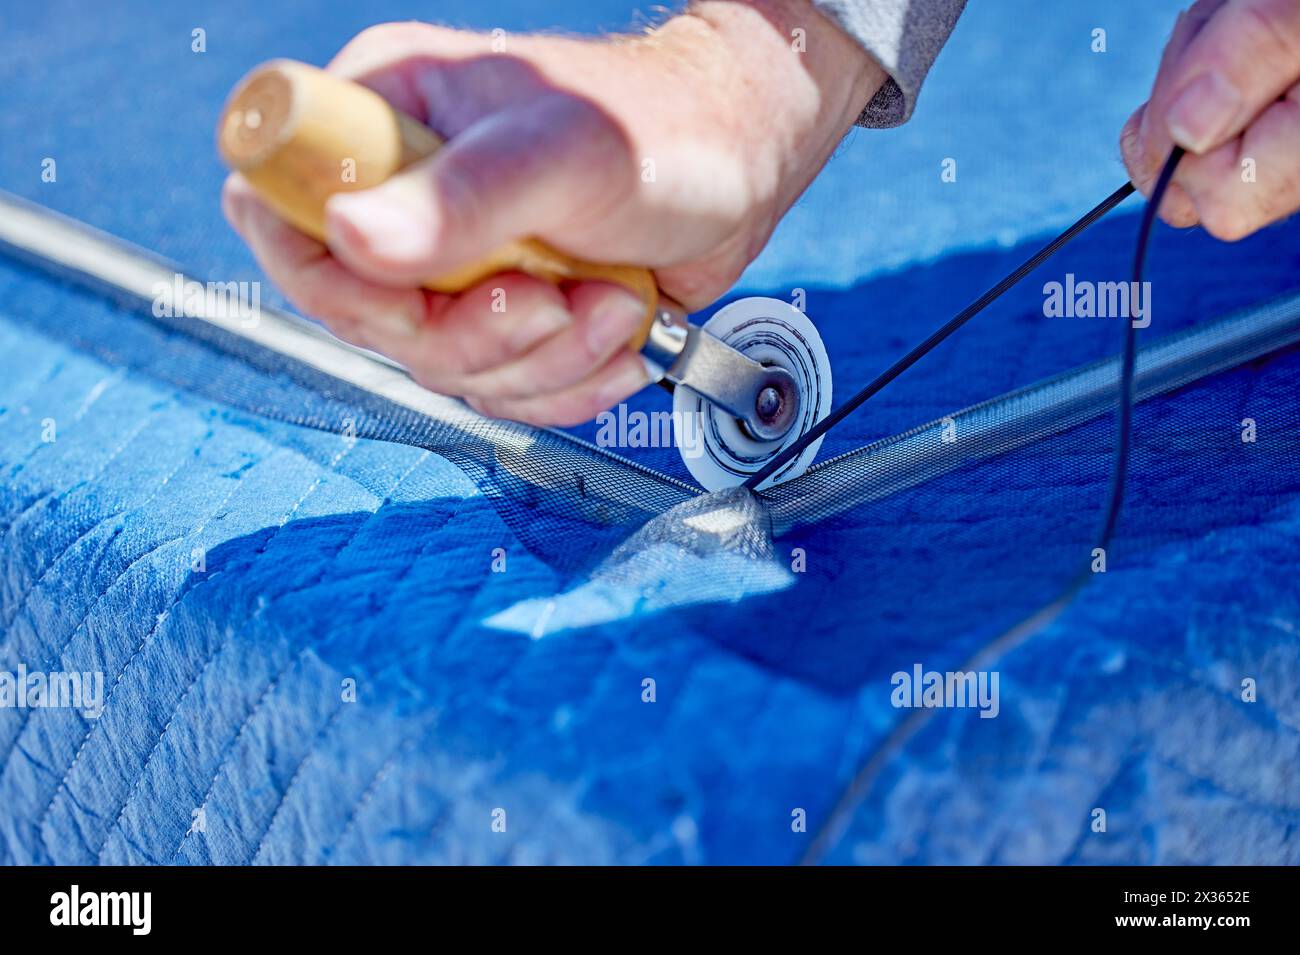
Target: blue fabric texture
{"x": 303, "y": 638}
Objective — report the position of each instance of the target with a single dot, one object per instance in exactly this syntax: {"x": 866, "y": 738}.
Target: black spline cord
{"x": 939, "y": 334}
{"x": 851, "y": 797}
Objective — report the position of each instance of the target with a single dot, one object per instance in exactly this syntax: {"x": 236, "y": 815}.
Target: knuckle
{"x": 1180, "y": 218}
{"x": 446, "y": 361}
{"x": 511, "y": 292}
{"x": 232, "y": 198}
{"x": 535, "y": 419}
{"x": 1272, "y": 206}
{"x": 1282, "y": 184}
{"x": 387, "y": 43}
{"x": 479, "y": 406}
{"x": 563, "y": 417}
{"x": 433, "y": 379}
{"x": 348, "y": 330}
{"x": 1178, "y": 208}
{"x": 460, "y": 201}
{"x": 1224, "y": 220}
{"x": 317, "y": 301}
{"x": 380, "y": 36}
{"x": 610, "y": 165}
{"x": 1128, "y": 142}
{"x": 693, "y": 288}
{"x": 595, "y": 125}
{"x": 1136, "y": 154}
{"x": 1271, "y": 31}
{"x": 451, "y": 356}
{"x": 572, "y": 410}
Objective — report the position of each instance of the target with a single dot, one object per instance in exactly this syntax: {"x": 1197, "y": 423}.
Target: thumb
{"x": 1244, "y": 59}
{"x": 524, "y": 171}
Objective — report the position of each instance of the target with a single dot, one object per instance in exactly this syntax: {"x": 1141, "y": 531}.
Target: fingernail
{"x": 631, "y": 378}
{"x": 614, "y": 322}
{"x": 383, "y": 226}
{"x": 540, "y": 325}
{"x": 1203, "y": 112}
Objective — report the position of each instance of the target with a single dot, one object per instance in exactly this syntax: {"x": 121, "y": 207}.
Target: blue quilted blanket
{"x": 323, "y": 648}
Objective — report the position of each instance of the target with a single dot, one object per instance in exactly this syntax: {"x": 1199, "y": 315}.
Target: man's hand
{"x": 1228, "y": 91}
{"x": 679, "y": 151}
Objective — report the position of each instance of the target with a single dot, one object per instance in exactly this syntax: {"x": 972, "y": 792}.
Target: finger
{"x": 606, "y": 318}
{"x": 444, "y": 78}
{"x": 388, "y": 58}
{"x": 1245, "y": 57}
{"x": 357, "y": 311}
{"x": 441, "y": 339}
{"x": 376, "y": 58}
{"x": 1177, "y": 209}
{"x": 485, "y": 327}
{"x": 1186, "y": 27}
{"x": 623, "y": 375}
{"x": 1253, "y": 181}
{"x": 524, "y": 171}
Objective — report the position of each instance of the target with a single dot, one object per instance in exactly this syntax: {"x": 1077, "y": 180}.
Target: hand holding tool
{"x": 299, "y": 134}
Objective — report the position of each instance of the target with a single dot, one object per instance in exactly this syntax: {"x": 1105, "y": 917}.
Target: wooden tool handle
{"x": 300, "y": 134}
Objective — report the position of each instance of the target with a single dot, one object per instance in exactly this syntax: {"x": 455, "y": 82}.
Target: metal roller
{"x": 779, "y": 337}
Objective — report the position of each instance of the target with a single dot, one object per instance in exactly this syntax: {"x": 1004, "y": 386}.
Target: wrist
{"x": 794, "y": 84}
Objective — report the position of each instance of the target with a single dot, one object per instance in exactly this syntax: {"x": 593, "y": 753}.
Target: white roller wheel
{"x": 773, "y": 332}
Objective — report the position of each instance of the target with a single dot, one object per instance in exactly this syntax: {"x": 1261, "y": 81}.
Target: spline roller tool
{"x": 754, "y": 378}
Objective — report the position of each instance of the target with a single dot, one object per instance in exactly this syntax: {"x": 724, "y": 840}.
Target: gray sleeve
{"x": 904, "y": 37}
